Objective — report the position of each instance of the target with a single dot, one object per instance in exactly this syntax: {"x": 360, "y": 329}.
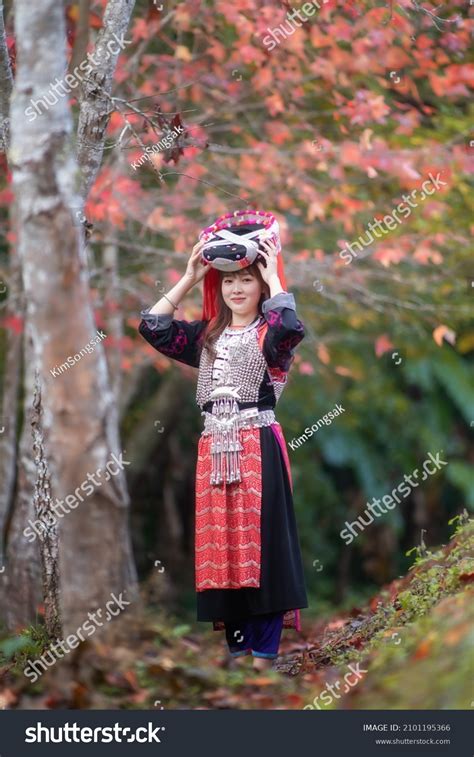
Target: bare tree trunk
{"x": 6, "y": 85}
{"x": 13, "y": 339}
{"x": 23, "y": 574}
{"x": 113, "y": 314}
{"x": 11, "y": 392}
{"x": 95, "y": 104}
{"x": 49, "y": 525}
{"x": 80, "y": 416}
{"x": 14, "y": 306}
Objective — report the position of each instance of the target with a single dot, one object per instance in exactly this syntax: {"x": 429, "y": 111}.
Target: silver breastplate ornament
{"x": 234, "y": 375}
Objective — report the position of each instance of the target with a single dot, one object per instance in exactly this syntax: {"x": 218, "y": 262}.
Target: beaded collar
{"x": 229, "y": 331}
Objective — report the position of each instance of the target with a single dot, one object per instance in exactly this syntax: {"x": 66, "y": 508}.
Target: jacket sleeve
{"x": 179, "y": 340}
{"x": 284, "y": 332}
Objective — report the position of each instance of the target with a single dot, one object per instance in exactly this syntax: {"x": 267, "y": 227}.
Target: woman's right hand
{"x": 196, "y": 268}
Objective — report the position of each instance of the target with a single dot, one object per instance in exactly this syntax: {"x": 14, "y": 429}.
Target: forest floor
{"x": 410, "y": 647}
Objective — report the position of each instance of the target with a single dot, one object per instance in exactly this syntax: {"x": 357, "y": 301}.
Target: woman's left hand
{"x": 271, "y": 256}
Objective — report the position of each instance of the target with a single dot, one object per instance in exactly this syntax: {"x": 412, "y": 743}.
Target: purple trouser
{"x": 258, "y": 635}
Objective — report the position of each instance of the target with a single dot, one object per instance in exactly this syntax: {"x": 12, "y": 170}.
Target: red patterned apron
{"x": 228, "y": 520}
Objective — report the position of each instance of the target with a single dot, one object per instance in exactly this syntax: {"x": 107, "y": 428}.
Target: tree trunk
{"x": 96, "y": 104}
{"x": 14, "y": 306}
{"x": 11, "y": 393}
{"x": 80, "y": 416}
{"x": 48, "y": 531}
{"x": 23, "y": 574}
{"x": 6, "y": 85}
{"x": 113, "y": 314}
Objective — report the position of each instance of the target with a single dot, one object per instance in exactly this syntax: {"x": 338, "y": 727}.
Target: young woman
{"x": 249, "y": 573}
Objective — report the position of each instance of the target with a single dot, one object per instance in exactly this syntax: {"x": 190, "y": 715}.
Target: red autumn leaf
{"x": 383, "y": 345}
{"x": 14, "y": 323}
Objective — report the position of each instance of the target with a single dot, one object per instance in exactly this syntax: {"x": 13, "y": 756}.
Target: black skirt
{"x": 282, "y": 583}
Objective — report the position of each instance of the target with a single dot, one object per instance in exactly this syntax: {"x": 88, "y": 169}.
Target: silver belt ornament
{"x": 223, "y": 425}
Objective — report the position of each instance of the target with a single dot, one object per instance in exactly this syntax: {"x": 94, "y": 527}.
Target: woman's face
{"x": 241, "y": 291}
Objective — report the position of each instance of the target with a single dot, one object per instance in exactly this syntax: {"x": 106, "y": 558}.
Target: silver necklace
{"x": 230, "y": 348}
{"x": 241, "y": 330}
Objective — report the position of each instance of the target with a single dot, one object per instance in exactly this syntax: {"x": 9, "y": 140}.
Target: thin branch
{"x": 420, "y": 9}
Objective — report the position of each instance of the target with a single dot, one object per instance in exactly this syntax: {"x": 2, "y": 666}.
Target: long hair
{"x": 216, "y": 326}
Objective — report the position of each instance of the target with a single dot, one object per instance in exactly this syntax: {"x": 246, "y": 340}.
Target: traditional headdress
{"x": 232, "y": 243}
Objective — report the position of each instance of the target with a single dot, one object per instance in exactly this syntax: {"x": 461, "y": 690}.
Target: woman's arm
{"x": 195, "y": 271}
{"x": 175, "y": 295}
{"x": 284, "y": 329}
{"x": 179, "y": 340}
{"x": 284, "y": 332}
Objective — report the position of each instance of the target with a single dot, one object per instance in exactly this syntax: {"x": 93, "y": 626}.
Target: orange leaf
{"x": 140, "y": 30}
{"x": 323, "y": 354}
{"x": 275, "y": 104}
{"x": 455, "y": 635}
{"x": 341, "y": 370}
{"x": 182, "y": 53}
{"x": 423, "y": 650}
{"x": 217, "y": 50}
{"x": 261, "y": 681}
{"x": 444, "y": 332}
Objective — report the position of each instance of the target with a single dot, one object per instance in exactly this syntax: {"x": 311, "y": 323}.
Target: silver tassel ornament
{"x": 225, "y": 442}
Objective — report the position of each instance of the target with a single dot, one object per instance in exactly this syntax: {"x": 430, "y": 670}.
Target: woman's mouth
{"x": 237, "y": 299}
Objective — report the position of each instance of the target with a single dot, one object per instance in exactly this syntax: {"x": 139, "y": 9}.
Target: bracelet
{"x": 175, "y": 307}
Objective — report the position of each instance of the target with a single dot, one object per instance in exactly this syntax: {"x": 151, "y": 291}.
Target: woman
{"x": 249, "y": 573}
